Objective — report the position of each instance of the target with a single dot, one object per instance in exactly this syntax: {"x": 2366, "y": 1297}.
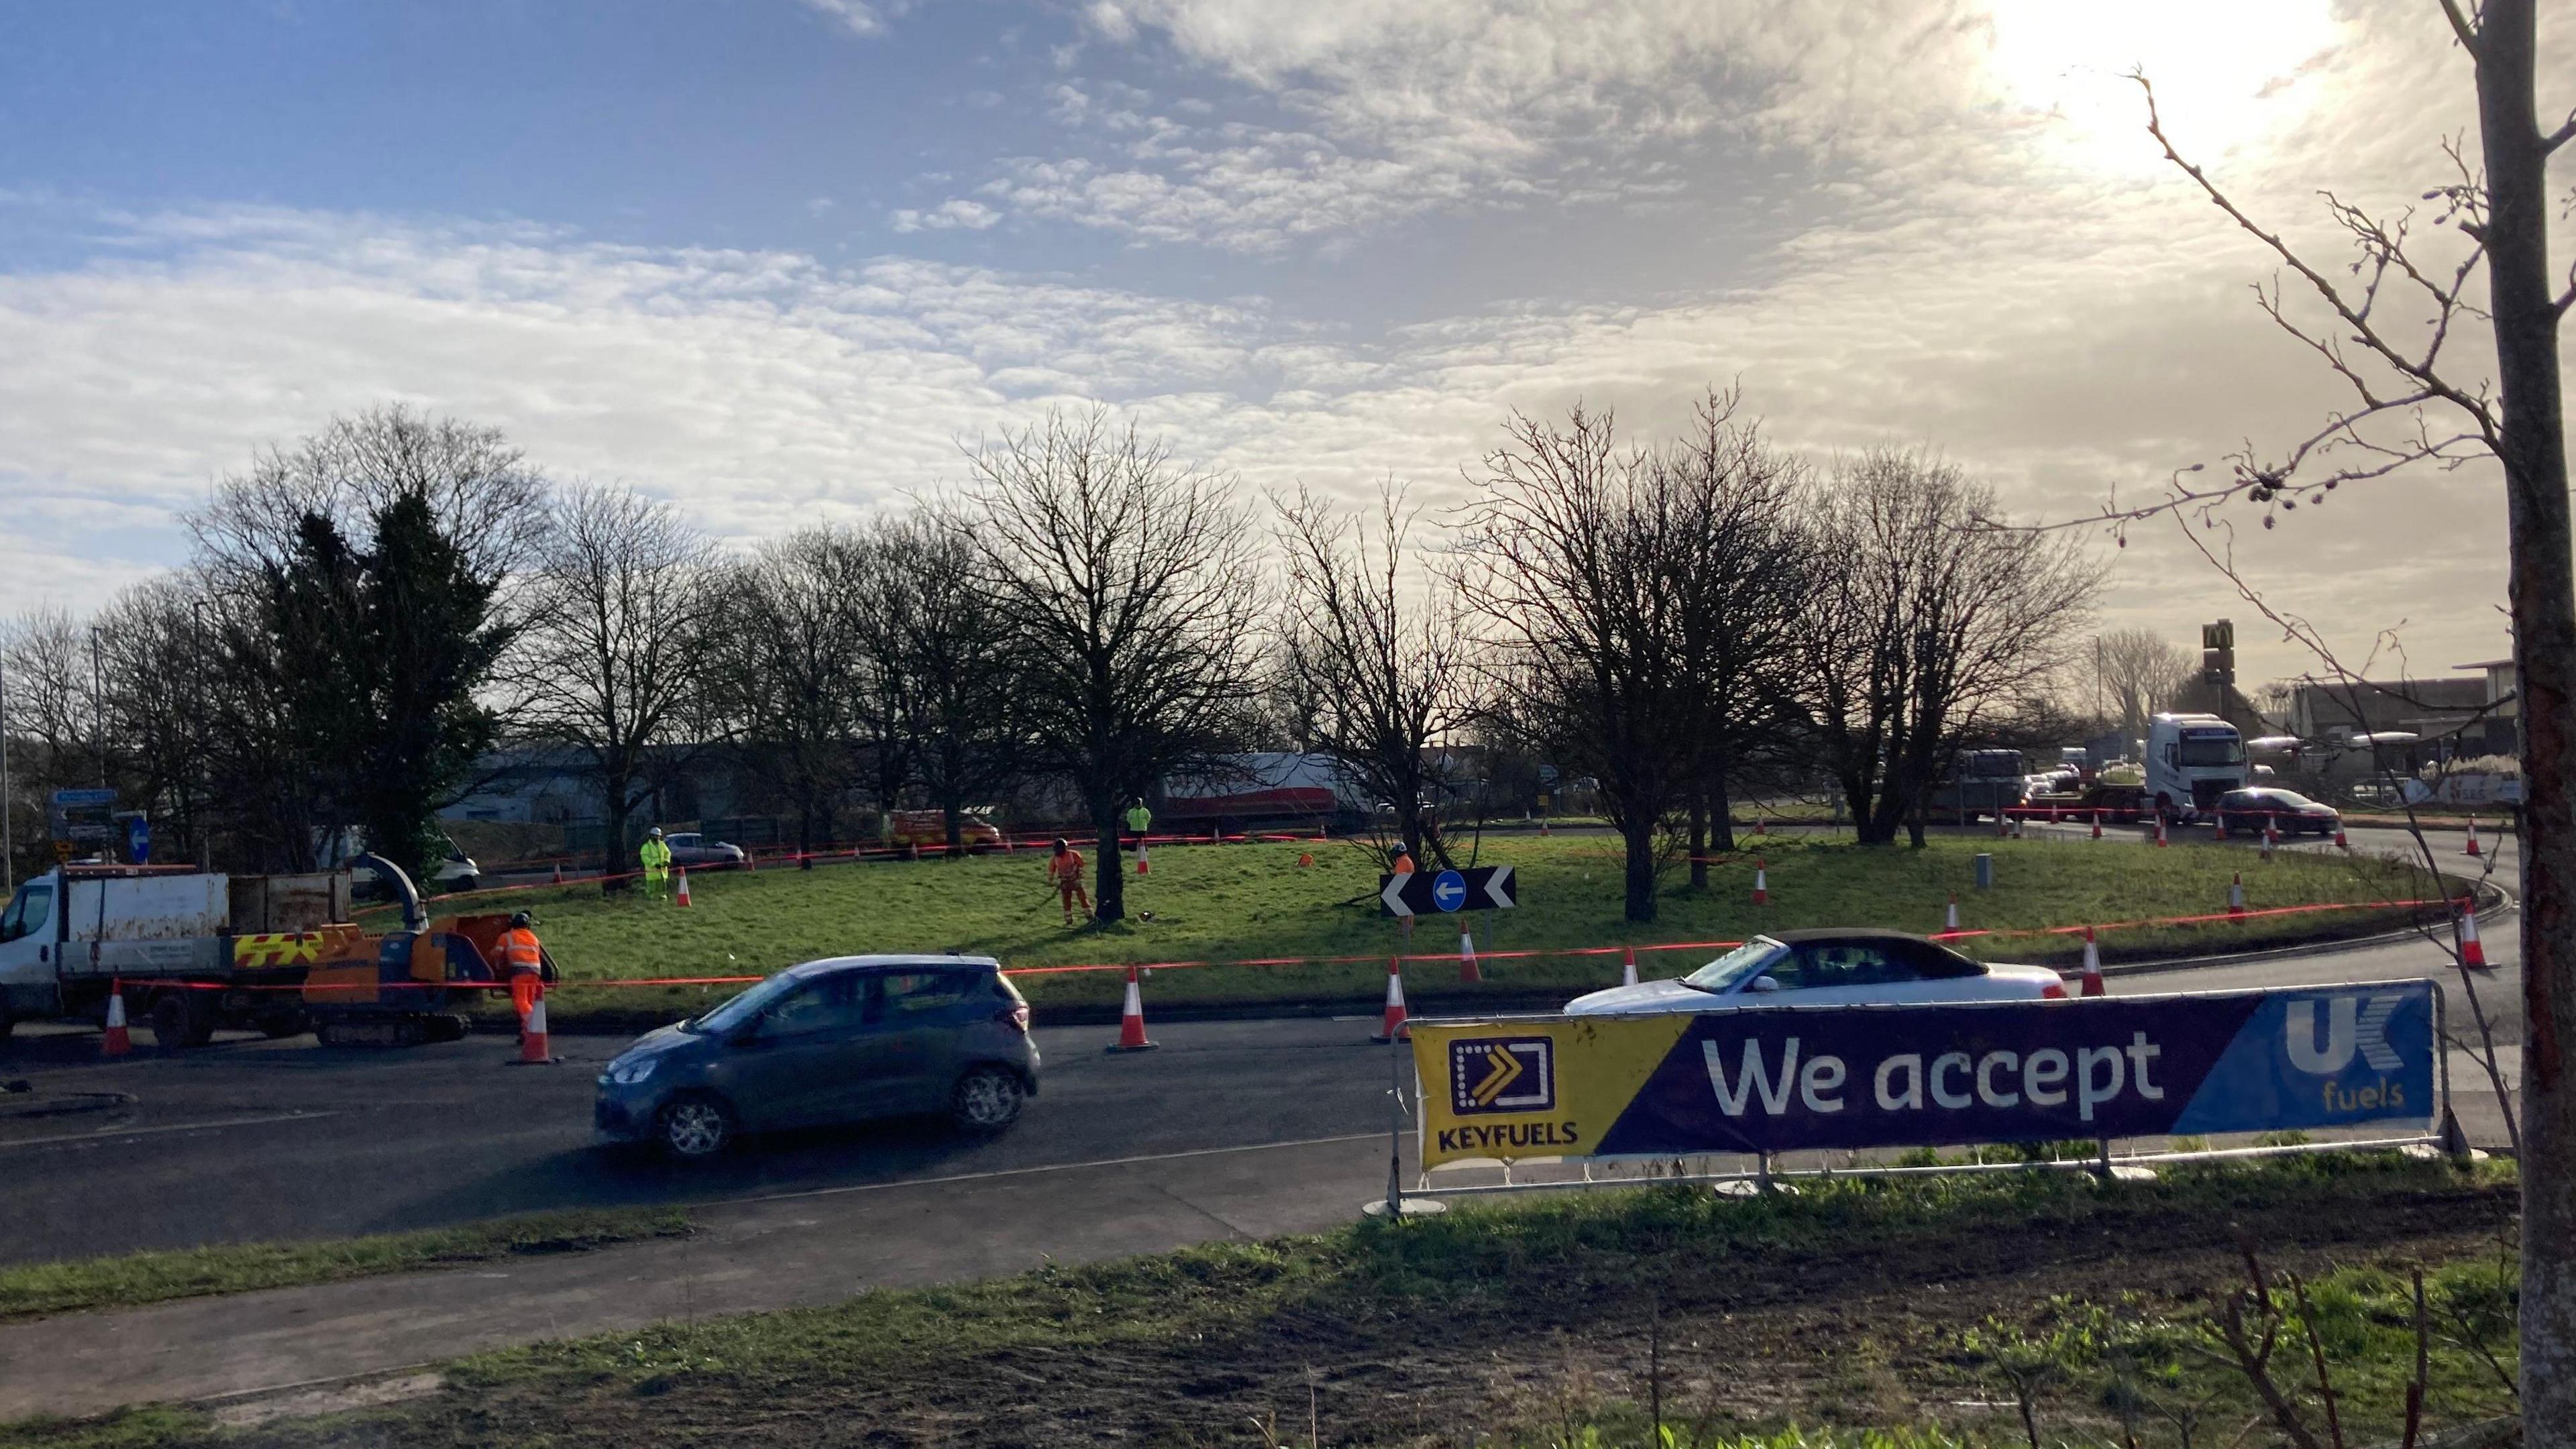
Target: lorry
{"x": 1982, "y": 783}
{"x": 1275, "y": 787}
{"x": 195, "y": 950}
{"x": 192, "y": 949}
{"x": 2192, "y": 759}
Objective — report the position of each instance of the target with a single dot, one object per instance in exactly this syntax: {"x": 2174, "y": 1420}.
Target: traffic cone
{"x": 2472, "y": 955}
{"x": 559, "y": 872}
{"x": 2271, "y": 836}
{"x": 2472, "y": 850}
{"x": 683, "y": 873}
{"x": 1761, "y": 881}
{"x": 1394, "y": 1028}
{"x": 1951, "y": 921}
{"x": 1542, "y": 825}
{"x": 1141, "y": 862}
{"x": 2097, "y": 825}
{"x": 1758, "y": 827}
{"x": 116, "y": 1041}
{"x": 2340, "y": 842}
{"x": 1131, "y": 1020}
{"x": 2092, "y": 966}
{"x": 751, "y": 860}
{"x": 1467, "y": 970}
{"x": 532, "y": 1036}
{"x": 2236, "y": 895}
{"x": 1628, "y": 968}
{"x": 1305, "y": 858}
{"x": 2220, "y": 830}
{"x": 2161, "y": 842}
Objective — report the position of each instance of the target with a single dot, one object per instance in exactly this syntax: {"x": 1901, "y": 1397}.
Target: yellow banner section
{"x": 1518, "y": 1091}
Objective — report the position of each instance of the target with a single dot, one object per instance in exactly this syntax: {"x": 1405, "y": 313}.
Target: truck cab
{"x": 2192, "y": 760}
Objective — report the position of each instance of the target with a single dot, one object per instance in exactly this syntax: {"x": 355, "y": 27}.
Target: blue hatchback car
{"x": 837, "y": 1040}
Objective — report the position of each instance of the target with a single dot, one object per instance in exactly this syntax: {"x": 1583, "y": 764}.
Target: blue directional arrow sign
{"x": 1477, "y": 888}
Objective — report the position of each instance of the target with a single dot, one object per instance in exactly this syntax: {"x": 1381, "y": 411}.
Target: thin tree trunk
{"x": 1640, "y": 839}
{"x": 2543, "y": 597}
{"x": 1721, "y": 811}
{"x": 1109, "y": 895}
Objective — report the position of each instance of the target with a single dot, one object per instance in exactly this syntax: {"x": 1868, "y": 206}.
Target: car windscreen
{"x": 2291, "y": 800}
{"x": 742, "y": 1009}
{"x": 1736, "y": 966}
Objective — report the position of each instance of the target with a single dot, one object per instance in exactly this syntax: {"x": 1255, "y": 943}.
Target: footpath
{"x": 793, "y": 1250}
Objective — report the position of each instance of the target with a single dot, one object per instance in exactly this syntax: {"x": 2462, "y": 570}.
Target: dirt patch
{"x": 1857, "y": 1328}
{"x": 307, "y": 1403}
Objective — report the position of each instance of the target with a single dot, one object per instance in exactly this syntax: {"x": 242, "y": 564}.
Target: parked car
{"x": 836, "y": 1040}
{"x": 2247, "y": 810}
{"x": 693, "y": 851}
{"x": 928, "y": 830}
{"x": 456, "y": 872}
{"x": 1828, "y": 968}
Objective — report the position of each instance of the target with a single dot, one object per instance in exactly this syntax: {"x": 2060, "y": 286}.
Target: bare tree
{"x": 54, "y": 724}
{"x": 1930, "y": 624}
{"x": 613, "y": 668}
{"x": 2387, "y": 333}
{"x": 966, "y": 717}
{"x": 1570, "y": 546}
{"x": 1741, "y": 576}
{"x": 2141, "y": 672}
{"x": 1128, "y": 585}
{"x": 1382, "y": 651}
{"x": 785, "y": 664}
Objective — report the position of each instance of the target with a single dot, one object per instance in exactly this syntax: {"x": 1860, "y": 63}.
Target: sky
{"x": 784, "y": 261}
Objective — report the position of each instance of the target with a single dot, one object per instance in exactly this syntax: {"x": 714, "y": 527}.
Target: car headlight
{"x": 627, "y": 1074}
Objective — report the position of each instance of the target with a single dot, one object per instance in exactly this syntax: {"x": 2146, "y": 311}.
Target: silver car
{"x": 1828, "y": 968}
{"x": 693, "y": 851}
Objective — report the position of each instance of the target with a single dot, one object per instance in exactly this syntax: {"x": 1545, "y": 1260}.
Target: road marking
{"x": 114, "y": 1133}
{"x": 957, "y": 1177}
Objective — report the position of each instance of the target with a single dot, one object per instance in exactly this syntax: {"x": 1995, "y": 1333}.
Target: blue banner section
{"x": 1785, "y": 1080}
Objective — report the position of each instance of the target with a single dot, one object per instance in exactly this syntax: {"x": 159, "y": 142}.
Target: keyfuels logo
{"x": 1502, "y": 1074}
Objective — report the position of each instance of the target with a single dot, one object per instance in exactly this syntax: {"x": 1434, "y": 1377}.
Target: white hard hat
{"x": 657, "y": 832}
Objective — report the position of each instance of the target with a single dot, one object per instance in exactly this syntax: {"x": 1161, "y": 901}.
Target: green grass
{"x": 38, "y": 1289}
{"x": 1528, "y": 1289}
{"x": 1229, "y": 903}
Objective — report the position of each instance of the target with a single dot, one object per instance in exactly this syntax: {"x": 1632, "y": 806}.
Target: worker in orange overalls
{"x": 1064, "y": 868}
{"x": 523, "y": 960}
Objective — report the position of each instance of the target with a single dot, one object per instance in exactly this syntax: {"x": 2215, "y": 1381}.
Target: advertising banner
{"x": 1785, "y": 1079}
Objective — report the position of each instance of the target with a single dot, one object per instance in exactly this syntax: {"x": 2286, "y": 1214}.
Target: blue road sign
{"x": 138, "y": 840}
{"x": 1449, "y": 890}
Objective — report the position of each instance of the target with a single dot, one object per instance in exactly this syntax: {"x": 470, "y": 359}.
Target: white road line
{"x": 1033, "y": 1171}
{"x": 114, "y": 1133}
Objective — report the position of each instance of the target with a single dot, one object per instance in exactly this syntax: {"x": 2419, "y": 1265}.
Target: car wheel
{"x": 694, "y": 1128}
{"x": 986, "y": 1099}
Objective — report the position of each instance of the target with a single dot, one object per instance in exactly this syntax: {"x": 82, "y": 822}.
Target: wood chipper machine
{"x": 407, "y": 986}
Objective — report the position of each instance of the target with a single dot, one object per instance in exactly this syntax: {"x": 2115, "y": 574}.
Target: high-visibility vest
{"x": 656, "y": 853}
{"x": 520, "y": 952}
{"x": 1139, "y": 818}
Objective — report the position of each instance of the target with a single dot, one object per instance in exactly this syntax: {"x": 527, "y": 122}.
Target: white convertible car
{"x": 1828, "y": 968}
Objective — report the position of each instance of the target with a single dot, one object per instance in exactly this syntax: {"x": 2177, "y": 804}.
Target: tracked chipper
{"x": 406, "y": 986}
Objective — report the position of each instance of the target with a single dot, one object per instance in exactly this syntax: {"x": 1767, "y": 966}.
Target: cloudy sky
{"x": 777, "y": 260}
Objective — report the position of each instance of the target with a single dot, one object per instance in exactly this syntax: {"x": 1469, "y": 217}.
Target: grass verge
{"x": 36, "y": 1290}
{"x": 1236, "y": 902}
{"x": 1848, "y": 1305}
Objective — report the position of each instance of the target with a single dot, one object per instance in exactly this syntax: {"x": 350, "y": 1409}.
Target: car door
{"x": 801, "y": 1063}
{"x": 921, "y": 1013}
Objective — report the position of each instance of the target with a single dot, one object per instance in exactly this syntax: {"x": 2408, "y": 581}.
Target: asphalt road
{"x": 250, "y": 1140}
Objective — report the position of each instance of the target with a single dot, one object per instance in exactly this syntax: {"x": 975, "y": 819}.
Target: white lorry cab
{"x": 2192, "y": 759}
{"x": 165, "y": 935}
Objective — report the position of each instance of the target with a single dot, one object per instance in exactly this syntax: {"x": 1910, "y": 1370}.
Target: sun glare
{"x": 2225, "y": 71}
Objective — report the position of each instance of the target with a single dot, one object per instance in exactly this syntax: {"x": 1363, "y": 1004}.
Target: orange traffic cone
{"x": 2340, "y": 842}
{"x": 2271, "y": 836}
{"x": 559, "y": 872}
{"x": 532, "y": 1036}
{"x": 1467, "y": 971}
{"x": 1542, "y": 825}
{"x": 1141, "y": 862}
{"x": 116, "y": 1042}
{"x": 1761, "y": 881}
{"x": 2161, "y": 842}
{"x": 2219, "y": 831}
{"x": 1305, "y": 858}
{"x": 1131, "y": 1020}
{"x": 1759, "y": 828}
{"x": 2472, "y": 955}
{"x": 2092, "y": 966}
{"x": 1628, "y": 968}
{"x": 2472, "y": 850}
{"x": 683, "y": 873}
{"x": 2097, "y": 825}
{"x": 1394, "y": 1029}
{"x": 1950, "y": 922}
{"x": 2236, "y": 895}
